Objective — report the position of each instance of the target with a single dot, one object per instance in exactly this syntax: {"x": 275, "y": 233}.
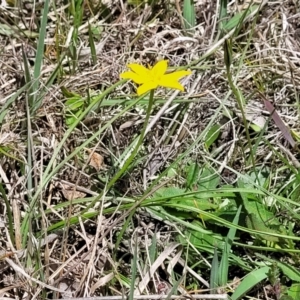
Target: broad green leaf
{"x": 260, "y": 176}
{"x": 169, "y": 192}
{"x": 204, "y": 240}
{"x": 250, "y": 281}
{"x": 289, "y": 271}
{"x": 74, "y": 103}
{"x": 202, "y": 204}
{"x": 261, "y": 211}
{"x": 294, "y": 291}
{"x": 254, "y": 222}
{"x": 209, "y": 179}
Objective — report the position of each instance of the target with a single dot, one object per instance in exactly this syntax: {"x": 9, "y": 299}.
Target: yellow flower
{"x": 151, "y": 78}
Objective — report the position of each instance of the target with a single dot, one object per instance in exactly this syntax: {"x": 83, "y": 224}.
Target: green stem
{"x": 136, "y": 148}
{"x": 237, "y": 93}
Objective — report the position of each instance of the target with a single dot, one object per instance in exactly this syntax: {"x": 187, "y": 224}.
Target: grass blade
{"x": 224, "y": 264}
{"x": 133, "y": 271}
{"x": 214, "y": 274}
{"x": 222, "y": 16}
{"x": 189, "y": 16}
{"x": 121, "y": 234}
{"x": 39, "y": 58}
{"x": 92, "y": 46}
{"x": 153, "y": 249}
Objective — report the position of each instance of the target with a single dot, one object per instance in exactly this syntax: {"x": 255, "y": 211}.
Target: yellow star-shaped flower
{"x": 152, "y": 78}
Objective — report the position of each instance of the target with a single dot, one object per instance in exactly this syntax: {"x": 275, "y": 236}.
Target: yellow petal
{"x": 175, "y": 76}
{"x": 172, "y": 85}
{"x": 139, "y": 70}
{"x": 171, "y": 80}
{"x": 146, "y": 87}
{"x": 133, "y": 76}
{"x": 159, "y": 69}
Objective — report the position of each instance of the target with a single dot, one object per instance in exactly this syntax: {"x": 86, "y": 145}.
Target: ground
{"x": 210, "y": 195}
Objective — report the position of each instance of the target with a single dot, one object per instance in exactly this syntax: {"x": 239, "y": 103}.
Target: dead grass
{"x": 82, "y": 260}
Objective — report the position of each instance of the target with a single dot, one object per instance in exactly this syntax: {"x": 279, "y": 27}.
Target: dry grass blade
{"x": 17, "y": 223}
{"x": 102, "y": 282}
{"x": 161, "y": 258}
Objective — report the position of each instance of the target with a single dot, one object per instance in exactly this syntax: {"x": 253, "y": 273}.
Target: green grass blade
{"x": 50, "y": 171}
{"x": 92, "y": 46}
{"x": 224, "y": 265}
{"x": 153, "y": 249}
{"x": 53, "y": 75}
{"x": 30, "y": 98}
{"x": 189, "y": 16}
{"x": 192, "y": 175}
{"x": 39, "y": 58}
{"x": 232, "y": 230}
{"x": 222, "y": 16}
{"x": 175, "y": 286}
{"x": 133, "y": 270}
{"x": 214, "y": 274}
{"x": 121, "y": 234}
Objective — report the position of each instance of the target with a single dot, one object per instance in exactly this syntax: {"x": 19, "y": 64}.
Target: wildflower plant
{"x": 150, "y": 79}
